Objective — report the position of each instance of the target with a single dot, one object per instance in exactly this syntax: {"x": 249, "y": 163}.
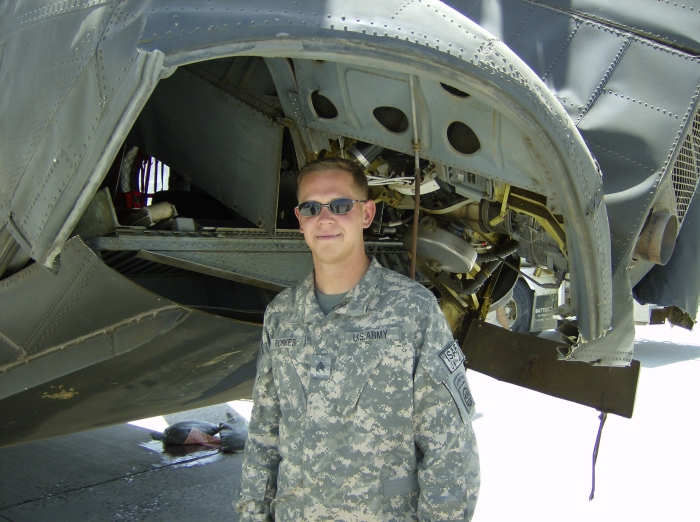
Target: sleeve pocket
{"x": 434, "y": 367}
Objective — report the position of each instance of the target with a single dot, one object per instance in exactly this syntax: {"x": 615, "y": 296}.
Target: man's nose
{"x": 326, "y": 214}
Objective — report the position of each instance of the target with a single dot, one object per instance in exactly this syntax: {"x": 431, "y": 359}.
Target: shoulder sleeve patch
{"x": 446, "y": 368}
{"x": 452, "y": 357}
{"x": 462, "y": 395}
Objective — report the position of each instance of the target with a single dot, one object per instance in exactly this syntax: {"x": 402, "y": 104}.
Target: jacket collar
{"x": 357, "y": 301}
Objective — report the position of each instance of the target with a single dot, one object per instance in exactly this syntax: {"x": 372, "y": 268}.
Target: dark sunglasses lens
{"x": 341, "y": 206}
{"x": 310, "y": 208}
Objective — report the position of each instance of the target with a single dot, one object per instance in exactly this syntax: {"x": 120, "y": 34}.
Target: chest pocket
{"x": 285, "y": 356}
{"x": 362, "y": 353}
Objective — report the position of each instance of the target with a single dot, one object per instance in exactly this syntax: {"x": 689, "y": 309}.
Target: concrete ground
{"x": 535, "y": 457}
{"x": 536, "y": 451}
{"x": 117, "y": 473}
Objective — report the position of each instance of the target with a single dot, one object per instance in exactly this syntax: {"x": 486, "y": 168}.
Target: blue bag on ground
{"x": 190, "y": 432}
{"x": 233, "y": 432}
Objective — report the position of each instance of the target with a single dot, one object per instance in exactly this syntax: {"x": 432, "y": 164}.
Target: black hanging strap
{"x": 602, "y": 417}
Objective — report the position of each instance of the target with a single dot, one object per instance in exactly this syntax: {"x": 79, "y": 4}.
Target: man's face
{"x": 334, "y": 238}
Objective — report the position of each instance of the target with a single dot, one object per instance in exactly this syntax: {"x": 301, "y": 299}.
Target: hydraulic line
{"x": 509, "y": 265}
{"x": 416, "y": 174}
{"x": 396, "y": 223}
{"x": 498, "y": 253}
{"x": 481, "y": 277}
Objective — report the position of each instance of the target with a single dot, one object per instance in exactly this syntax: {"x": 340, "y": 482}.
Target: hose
{"x": 498, "y": 254}
{"x": 394, "y": 223}
{"x": 481, "y": 277}
{"x": 534, "y": 281}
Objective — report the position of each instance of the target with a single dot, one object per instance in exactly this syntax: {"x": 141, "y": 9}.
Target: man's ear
{"x": 368, "y": 211}
{"x": 296, "y": 213}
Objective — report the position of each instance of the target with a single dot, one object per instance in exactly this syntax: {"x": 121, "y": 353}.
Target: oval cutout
{"x": 454, "y": 91}
{"x": 462, "y": 138}
{"x": 391, "y": 118}
{"x": 323, "y": 107}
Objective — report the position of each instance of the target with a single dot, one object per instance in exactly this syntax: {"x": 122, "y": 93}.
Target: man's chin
{"x": 329, "y": 253}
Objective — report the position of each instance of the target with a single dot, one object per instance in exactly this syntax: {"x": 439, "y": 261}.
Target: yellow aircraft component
{"x": 519, "y": 201}
{"x": 452, "y": 313}
{"x": 504, "y": 208}
{"x": 542, "y": 215}
{"x": 391, "y": 197}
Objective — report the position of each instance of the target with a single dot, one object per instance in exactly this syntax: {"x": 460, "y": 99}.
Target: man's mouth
{"x": 327, "y": 236}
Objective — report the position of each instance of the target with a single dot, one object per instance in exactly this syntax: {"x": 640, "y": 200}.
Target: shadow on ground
{"x": 652, "y": 354}
{"x": 115, "y": 473}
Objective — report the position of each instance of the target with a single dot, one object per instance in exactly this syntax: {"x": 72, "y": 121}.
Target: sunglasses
{"x": 337, "y": 206}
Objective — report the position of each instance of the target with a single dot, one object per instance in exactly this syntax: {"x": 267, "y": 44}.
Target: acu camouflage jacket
{"x": 364, "y": 414}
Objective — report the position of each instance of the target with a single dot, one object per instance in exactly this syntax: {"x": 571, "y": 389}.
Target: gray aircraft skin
{"x": 565, "y": 133}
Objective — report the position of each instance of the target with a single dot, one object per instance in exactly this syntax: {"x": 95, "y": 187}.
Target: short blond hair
{"x": 325, "y": 164}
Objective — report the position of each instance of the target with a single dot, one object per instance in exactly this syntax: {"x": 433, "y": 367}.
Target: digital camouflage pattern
{"x": 364, "y": 414}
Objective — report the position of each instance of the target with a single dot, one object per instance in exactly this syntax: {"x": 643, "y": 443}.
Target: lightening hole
{"x": 323, "y": 106}
{"x": 454, "y": 91}
{"x": 391, "y": 118}
{"x": 462, "y": 138}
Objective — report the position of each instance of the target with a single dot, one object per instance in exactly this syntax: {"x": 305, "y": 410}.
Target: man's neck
{"x": 338, "y": 278}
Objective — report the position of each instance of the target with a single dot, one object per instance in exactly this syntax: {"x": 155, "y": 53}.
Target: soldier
{"x": 361, "y": 405}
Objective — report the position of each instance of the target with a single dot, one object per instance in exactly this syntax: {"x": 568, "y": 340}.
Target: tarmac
{"x": 535, "y": 455}
{"x": 118, "y": 474}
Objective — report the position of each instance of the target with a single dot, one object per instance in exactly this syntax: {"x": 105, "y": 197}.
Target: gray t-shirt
{"x": 328, "y": 301}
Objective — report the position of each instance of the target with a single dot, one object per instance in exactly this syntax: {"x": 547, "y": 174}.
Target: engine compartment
{"x": 233, "y": 140}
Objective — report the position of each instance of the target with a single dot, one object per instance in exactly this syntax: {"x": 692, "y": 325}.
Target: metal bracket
{"x": 531, "y": 362}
